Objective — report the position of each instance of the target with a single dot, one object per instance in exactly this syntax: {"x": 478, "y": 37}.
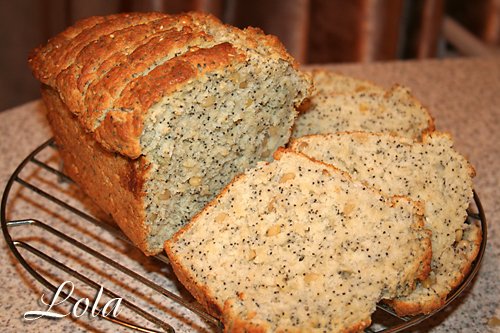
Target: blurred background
{"x": 314, "y": 31}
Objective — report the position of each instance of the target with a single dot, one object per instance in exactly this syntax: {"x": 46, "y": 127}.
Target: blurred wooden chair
{"x": 323, "y": 31}
{"x": 314, "y": 31}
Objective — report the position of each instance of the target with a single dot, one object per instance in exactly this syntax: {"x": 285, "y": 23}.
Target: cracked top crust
{"x": 110, "y": 70}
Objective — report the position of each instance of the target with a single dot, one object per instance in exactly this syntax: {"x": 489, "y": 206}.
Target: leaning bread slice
{"x": 431, "y": 171}
{"x": 296, "y": 245}
{"x": 395, "y": 111}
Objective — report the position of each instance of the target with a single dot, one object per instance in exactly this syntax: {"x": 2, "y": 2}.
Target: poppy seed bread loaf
{"x": 155, "y": 113}
{"x": 431, "y": 172}
{"x": 297, "y": 246}
{"x": 341, "y": 103}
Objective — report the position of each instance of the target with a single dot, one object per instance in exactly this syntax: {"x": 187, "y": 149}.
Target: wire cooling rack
{"x": 65, "y": 238}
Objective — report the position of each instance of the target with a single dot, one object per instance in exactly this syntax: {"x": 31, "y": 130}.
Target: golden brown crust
{"x": 114, "y": 182}
{"x": 404, "y": 308}
{"x": 272, "y": 42}
{"x": 104, "y": 67}
{"x": 407, "y": 308}
{"x": 96, "y": 59}
{"x": 38, "y": 56}
{"x": 120, "y": 131}
{"x": 234, "y": 324}
{"x": 425, "y": 265}
{"x": 104, "y": 90}
{"x": 363, "y": 84}
{"x": 411, "y": 308}
{"x": 144, "y": 91}
{"x": 199, "y": 292}
{"x": 63, "y": 51}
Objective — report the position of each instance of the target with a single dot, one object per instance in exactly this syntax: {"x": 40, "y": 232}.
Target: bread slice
{"x": 179, "y": 104}
{"x": 297, "y": 246}
{"x": 328, "y": 82}
{"x": 432, "y": 172}
{"x": 346, "y": 104}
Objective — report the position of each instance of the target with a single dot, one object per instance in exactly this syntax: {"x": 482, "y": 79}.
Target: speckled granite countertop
{"x": 462, "y": 94}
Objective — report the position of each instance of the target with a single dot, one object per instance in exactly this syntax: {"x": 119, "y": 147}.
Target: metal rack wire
{"x": 476, "y": 215}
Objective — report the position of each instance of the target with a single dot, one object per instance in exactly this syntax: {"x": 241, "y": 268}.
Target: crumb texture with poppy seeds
{"x": 342, "y": 103}
{"x": 431, "y": 172}
{"x": 298, "y": 246}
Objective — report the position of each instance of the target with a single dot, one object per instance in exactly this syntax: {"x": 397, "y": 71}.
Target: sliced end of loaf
{"x": 198, "y": 138}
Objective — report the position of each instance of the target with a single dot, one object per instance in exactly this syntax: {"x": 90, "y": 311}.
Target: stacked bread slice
{"x": 412, "y": 160}
{"x": 431, "y": 172}
{"x": 297, "y": 245}
{"x": 343, "y": 104}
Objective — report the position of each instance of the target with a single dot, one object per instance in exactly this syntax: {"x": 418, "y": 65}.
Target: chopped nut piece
{"x": 235, "y": 77}
{"x": 270, "y": 205}
{"x": 195, "y": 181}
{"x": 274, "y": 230}
{"x": 301, "y": 146}
{"x": 209, "y": 101}
{"x": 427, "y": 283}
{"x": 189, "y": 163}
{"x": 348, "y": 208}
{"x": 363, "y": 108}
{"x": 494, "y": 322}
{"x": 165, "y": 195}
{"x": 360, "y": 88}
{"x": 221, "y": 217}
{"x": 310, "y": 277}
{"x": 273, "y": 130}
{"x": 286, "y": 177}
{"x": 251, "y": 255}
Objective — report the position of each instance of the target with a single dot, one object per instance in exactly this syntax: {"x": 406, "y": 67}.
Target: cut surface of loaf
{"x": 297, "y": 246}
{"x": 431, "y": 172}
{"x": 195, "y": 100}
{"x": 341, "y": 103}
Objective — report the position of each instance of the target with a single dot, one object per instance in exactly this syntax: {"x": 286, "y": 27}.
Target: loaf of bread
{"x": 297, "y": 246}
{"x": 155, "y": 113}
{"x": 431, "y": 172}
{"x": 341, "y": 103}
